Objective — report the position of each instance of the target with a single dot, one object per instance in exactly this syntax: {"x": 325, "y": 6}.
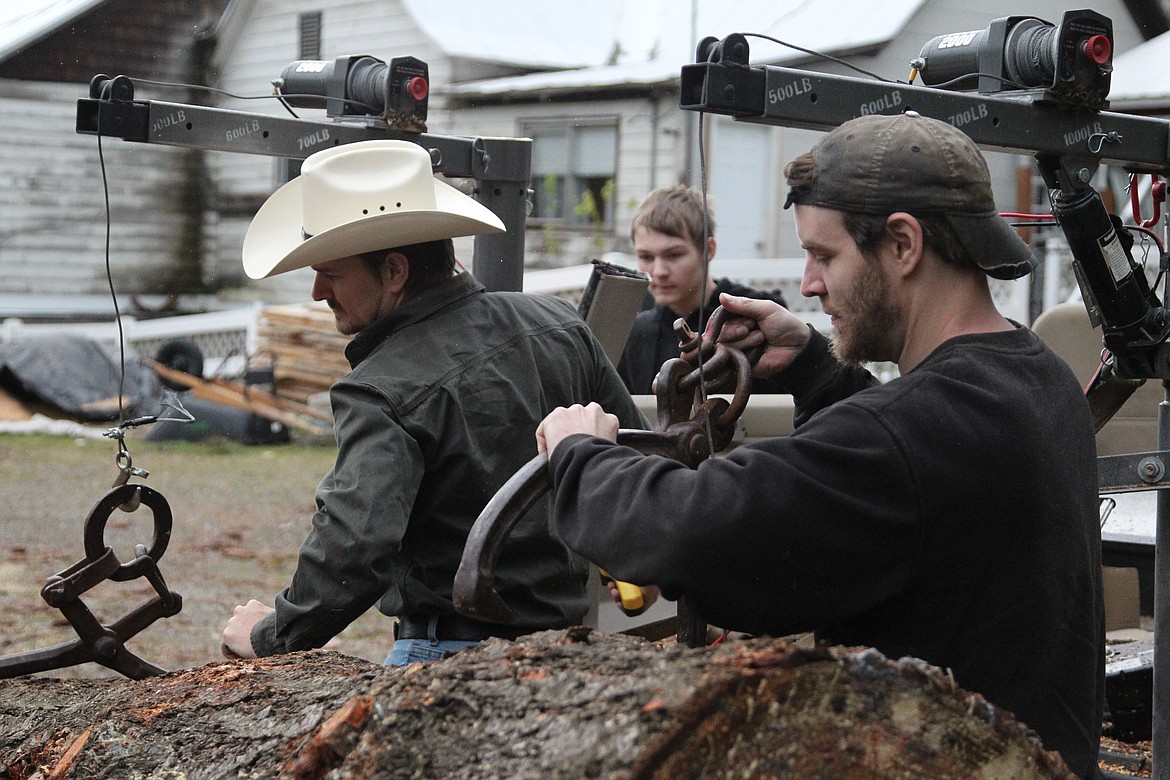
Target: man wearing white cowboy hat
{"x": 447, "y": 386}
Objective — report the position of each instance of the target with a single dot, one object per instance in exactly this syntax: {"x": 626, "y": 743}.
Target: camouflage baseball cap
{"x": 882, "y": 164}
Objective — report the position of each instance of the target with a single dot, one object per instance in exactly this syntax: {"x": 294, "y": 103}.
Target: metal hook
{"x": 126, "y": 469}
{"x": 96, "y": 641}
{"x": 1108, "y": 504}
{"x": 689, "y": 440}
{"x": 1101, "y": 138}
{"x": 1157, "y": 195}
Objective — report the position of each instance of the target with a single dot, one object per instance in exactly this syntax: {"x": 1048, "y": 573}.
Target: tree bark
{"x": 559, "y": 704}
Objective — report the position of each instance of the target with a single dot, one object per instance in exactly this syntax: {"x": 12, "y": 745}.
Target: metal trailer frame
{"x": 501, "y": 167}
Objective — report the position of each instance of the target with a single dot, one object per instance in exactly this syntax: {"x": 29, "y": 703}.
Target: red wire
{"x": 1139, "y": 228}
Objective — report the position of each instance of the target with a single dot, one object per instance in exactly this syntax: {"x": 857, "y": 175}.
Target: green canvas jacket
{"x": 439, "y": 410}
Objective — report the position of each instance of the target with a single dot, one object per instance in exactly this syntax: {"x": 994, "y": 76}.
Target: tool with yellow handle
{"x": 631, "y": 595}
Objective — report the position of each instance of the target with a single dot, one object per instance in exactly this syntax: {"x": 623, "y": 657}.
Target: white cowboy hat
{"x": 354, "y": 198}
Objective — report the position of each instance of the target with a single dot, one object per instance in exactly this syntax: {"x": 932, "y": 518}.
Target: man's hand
{"x": 650, "y": 594}
{"x": 237, "y": 634}
{"x": 755, "y": 322}
{"x": 562, "y": 422}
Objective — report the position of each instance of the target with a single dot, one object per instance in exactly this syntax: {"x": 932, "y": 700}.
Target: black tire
{"x": 181, "y": 355}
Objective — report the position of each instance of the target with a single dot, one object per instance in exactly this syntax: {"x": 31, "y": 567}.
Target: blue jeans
{"x": 414, "y": 651}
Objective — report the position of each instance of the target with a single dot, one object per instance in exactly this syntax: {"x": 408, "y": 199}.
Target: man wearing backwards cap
{"x": 949, "y": 514}
{"x": 447, "y": 386}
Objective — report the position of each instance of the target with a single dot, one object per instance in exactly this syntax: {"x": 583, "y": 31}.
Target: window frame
{"x": 309, "y": 37}
{"x": 567, "y": 216}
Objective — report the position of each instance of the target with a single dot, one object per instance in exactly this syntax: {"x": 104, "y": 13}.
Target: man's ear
{"x": 904, "y": 237}
{"x": 395, "y": 271}
{"x": 710, "y": 248}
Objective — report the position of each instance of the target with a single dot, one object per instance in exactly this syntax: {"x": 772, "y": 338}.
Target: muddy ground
{"x": 239, "y": 515}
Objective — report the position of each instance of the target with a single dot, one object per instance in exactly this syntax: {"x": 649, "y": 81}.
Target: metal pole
{"x": 502, "y": 168}
{"x": 498, "y": 262}
{"x": 689, "y": 119}
{"x": 1161, "y": 695}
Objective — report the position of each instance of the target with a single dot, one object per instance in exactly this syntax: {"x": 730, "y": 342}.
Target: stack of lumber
{"x": 252, "y": 399}
{"x": 307, "y": 352}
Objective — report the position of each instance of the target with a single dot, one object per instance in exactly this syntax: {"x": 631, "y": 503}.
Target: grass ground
{"x": 239, "y": 515}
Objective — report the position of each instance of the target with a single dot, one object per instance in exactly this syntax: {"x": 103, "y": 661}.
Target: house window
{"x": 310, "y": 25}
{"x": 573, "y": 173}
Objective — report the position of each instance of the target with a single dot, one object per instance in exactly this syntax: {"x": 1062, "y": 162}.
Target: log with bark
{"x": 559, "y": 704}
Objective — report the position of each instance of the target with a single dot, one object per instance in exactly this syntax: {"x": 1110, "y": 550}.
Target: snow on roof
{"x": 1141, "y": 76}
{"x": 637, "y": 74}
{"x": 533, "y": 33}
{"x": 654, "y": 38}
{"x": 23, "y": 22}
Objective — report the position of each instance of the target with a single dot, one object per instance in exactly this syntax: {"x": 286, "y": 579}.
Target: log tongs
{"x": 99, "y": 643}
{"x": 677, "y": 433}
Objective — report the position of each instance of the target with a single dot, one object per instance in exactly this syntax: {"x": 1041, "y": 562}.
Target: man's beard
{"x": 343, "y": 321}
{"x": 867, "y": 320}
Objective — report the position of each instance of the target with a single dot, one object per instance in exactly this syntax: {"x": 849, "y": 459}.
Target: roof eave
{"x": 576, "y": 92}
{"x": 32, "y": 38}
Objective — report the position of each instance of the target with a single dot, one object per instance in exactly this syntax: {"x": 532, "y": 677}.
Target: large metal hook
{"x": 97, "y": 642}
{"x": 690, "y": 441}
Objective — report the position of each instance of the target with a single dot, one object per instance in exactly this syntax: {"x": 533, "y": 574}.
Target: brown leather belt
{"x": 452, "y": 627}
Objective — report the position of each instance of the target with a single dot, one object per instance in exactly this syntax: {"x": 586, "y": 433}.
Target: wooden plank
{"x": 256, "y": 401}
{"x": 307, "y": 352}
{"x": 12, "y": 410}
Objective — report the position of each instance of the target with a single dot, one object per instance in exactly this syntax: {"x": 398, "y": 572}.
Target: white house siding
{"x": 52, "y": 211}
{"x": 384, "y": 30}
{"x": 45, "y": 199}
{"x": 774, "y": 237}
{"x": 637, "y": 121}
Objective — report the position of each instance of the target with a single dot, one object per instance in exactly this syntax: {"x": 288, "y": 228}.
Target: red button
{"x": 1098, "y": 49}
{"x": 417, "y": 88}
